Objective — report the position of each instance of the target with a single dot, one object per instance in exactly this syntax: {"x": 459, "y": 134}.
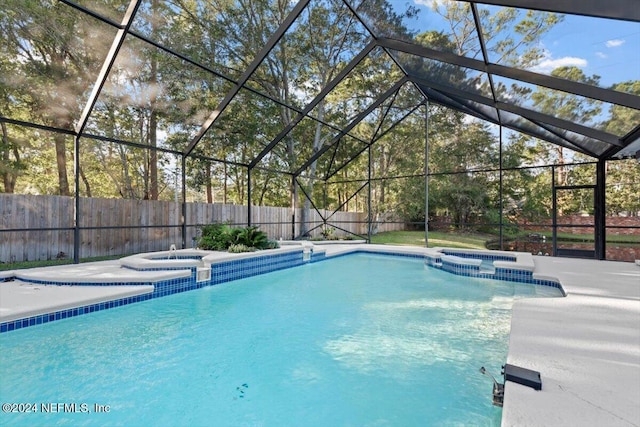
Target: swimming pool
{"x": 357, "y": 340}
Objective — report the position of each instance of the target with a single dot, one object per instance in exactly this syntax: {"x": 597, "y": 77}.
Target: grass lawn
{"x": 478, "y": 240}
{"x": 436, "y": 238}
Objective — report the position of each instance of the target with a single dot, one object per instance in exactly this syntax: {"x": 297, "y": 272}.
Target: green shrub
{"x": 250, "y": 236}
{"x": 215, "y": 237}
{"x": 220, "y": 237}
{"x": 240, "y": 248}
{"x": 272, "y": 244}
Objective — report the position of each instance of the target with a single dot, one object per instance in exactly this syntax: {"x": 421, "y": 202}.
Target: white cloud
{"x": 427, "y": 3}
{"x": 614, "y": 43}
{"x": 602, "y": 55}
{"x": 549, "y": 64}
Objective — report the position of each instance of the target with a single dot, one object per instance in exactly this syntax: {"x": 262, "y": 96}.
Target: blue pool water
{"x": 361, "y": 340}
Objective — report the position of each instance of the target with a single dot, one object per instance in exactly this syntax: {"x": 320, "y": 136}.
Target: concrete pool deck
{"x": 586, "y": 346}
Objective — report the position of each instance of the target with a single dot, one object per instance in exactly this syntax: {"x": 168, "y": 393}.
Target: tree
{"x": 511, "y": 35}
{"x": 623, "y": 177}
{"x": 56, "y": 58}
{"x": 566, "y": 106}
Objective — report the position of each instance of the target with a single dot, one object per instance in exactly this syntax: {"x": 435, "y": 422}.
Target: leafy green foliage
{"x": 221, "y": 237}
{"x": 240, "y": 248}
{"x": 252, "y": 236}
{"x": 215, "y": 237}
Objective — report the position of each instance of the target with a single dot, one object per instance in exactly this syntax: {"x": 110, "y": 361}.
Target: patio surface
{"x": 586, "y": 347}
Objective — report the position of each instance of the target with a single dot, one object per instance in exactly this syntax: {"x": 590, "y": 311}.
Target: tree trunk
{"x": 317, "y": 142}
{"x": 153, "y": 156}
{"x": 87, "y": 186}
{"x": 9, "y": 174}
{"x": 225, "y": 189}
{"x": 153, "y": 115}
{"x": 61, "y": 161}
{"x": 207, "y": 172}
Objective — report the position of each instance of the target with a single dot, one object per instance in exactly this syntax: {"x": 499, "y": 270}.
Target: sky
{"x": 605, "y": 47}
{"x": 608, "y": 48}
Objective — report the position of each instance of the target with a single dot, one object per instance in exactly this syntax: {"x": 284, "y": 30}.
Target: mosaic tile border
{"x": 475, "y": 255}
{"x": 509, "y": 274}
{"x": 71, "y": 312}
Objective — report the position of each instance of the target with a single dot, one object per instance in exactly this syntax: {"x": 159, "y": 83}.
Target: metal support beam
{"x": 535, "y": 116}
{"x": 76, "y": 199}
{"x": 457, "y": 104}
{"x": 37, "y": 126}
{"x": 110, "y": 59}
{"x": 373, "y": 138}
{"x": 485, "y": 55}
{"x": 501, "y": 196}
{"x": 426, "y": 174}
{"x": 449, "y": 101}
{"x": 600, "y": 210}
{"x": 293, "y": 207}
{"x": 531, "y": 115}
{"x": 249, "y": 197}
{"x": 222, "y": 76}
{"x": 551, "y": 82}
{"x": 372, "y": 142}
{"x": 554, "y": 213}
{"x": 183, "y": 220}
{"x": 625, "y": 10}
{"x": 347, "y": 201}
{"x": 369, "y": 195}
{"x": 266, "y": 49}
{"x": 629, "y": 138}
{"x": 310, "y": 200}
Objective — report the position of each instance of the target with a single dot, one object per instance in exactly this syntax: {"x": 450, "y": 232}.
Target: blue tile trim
{"x": 193, "y": 257}
{"x": 367, "y": 251}
{"x": 318, "y": 256}
{"x": 474, "y": 255}
{"x": 509, "y": 274}
{"x": 71, "y": 312}
{"x": 50, "y": 282}
{"x": 157, "y": 268}
{"x": 247, "y": 267}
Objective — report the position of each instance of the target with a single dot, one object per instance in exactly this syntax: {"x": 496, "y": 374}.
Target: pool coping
{"x": 53, "y": 300}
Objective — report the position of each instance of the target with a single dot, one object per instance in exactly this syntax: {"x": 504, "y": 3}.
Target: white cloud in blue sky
{"x": 614, "y": 43}
{"x": 549, "y": 63}
{"x": 602, "y": 55}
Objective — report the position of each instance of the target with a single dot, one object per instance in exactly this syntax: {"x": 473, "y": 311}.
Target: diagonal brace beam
{"x": 323, "y": 93}
{"x": 373, "y": 141}
{"x": 351, "y": 125}
{"x": 310, "y": 200}
{"x": 525, "y": 112}
{"x": 117, "y": 43}
{"x": 551, "y": 82}
{"x": 613, "y": 9}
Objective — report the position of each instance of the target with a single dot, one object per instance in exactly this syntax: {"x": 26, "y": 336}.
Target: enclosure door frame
{"x": 570, "y": 252}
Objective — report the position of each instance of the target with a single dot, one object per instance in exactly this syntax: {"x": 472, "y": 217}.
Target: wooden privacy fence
{"x": 43, "y": 225}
